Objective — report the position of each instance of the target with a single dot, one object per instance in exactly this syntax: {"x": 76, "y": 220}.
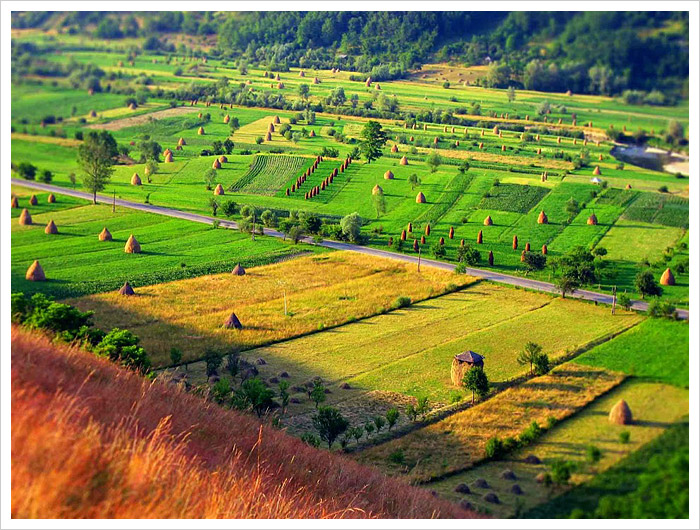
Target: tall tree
{"x": 373, "y": 139}
{"x": 529, "y": 355}
{"x": 476, "y": 380}
{"x": 330, "y": 424}
{"x": 96, "y": 157}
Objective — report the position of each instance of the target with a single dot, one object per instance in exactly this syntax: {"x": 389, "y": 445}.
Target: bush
{"x": 120, "y": 345}
{"x": 397, "y": 457}
{"x": 561, "y": 470}
{"x": 593, "y": 454}
{"x": 624, "y": 437}
{"x": 311, "y": 439}
{"x": 530, "y": 434}
{"x": 401, "y": 301}
{"x": 624, "y": 301}
{"x": 494, "y": 448}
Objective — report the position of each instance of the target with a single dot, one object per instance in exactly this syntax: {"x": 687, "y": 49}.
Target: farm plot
{"x": 654, "y": 406}
{"x": 269, "y": 173}
{"x": 513, "y": 198}
{"x": 659, "y": 209}
{"x": 458, "y": 442}
{"x": 634, "y": 241}
{"x": 77, "y": 263}
{"x": 317, "y": 292}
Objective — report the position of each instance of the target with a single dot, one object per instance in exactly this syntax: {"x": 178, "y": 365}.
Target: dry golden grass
{"x": 68, "y": 142}
{"x": 321, "y": 291}
{"x": 459, "y": 441}
{"x": 92, "y": 440}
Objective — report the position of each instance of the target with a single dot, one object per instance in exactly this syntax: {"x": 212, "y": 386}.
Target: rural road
{"x": 338, "y": 245}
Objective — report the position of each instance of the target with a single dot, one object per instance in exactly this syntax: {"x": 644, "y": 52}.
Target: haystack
{"x": 268, "y": 137}
{"x": 132, "y": 246}
{"x": 301, "y": 73}
{"x": 403, "y": 235}
{"x": 135, "y": 180}
{"x": 25, "y": 218}
{"x": 409, "y": 228}
{"x": 167, "y": 152}
{"x": 368, "y": 82}
{"x": 394, "y": 149}
{"x": 592, "y": 220}
{"x": 317, "y": 81}
{"x": 480, "y": 238}
{"x": 280, "y": 86}
{"x": 276, "y": 120}
{"x": 238, "y": 270}
{"x": 628, "y": 187}
{"x": 481, "y": 145}
{"x": 403, "y": 161}
{"x": 312, "y": 134}
{"x": 620, "y": 414}
{"x": 223, "y": 159}
{"x": 105, "y": 235}
{"x": 388, "y": 175}
{"x": 126, "y": 290}
{"x": 33, "y": 201}
{"x": 199, "y": 115}
{"x": 515, "y": 242}
{"x": 271, "y": 128}
{"x": 219, "y": 190}
{"x": 232, "y": 322}
{"x": 35, "y": 273}
{"x": 544, "y": 250}
{"x": 422, "y": 240}
{"x": 377, "y": 189}
{"x": 415, "y": 245}
{"x": 462, "y": 363}
{"x": 600, "y": 157}
{"x": 451, "y": 234}
{"x": 15, "y": 202}
{"x": 667, "y": 278}
{"x": 132, "y": 106}
{"x": 200, "y": 131}
{"x": 488, "y": 221}
{"x": 227, "y": 118}
{"x": 596, "y": 170}
{"x": 51, "y": 228}
{"x": 522, "y": 256}
{"x": 490, "y": 258}
{"x": 216, "y": 164}
{"x": 277, "y": 77}
{"x": 420, "y": 198}
{"x": 527, "y": 247}
{"x": 92, "y": 114}
{"x": 181, "y": 141}
{"x": 542, "y": 218}
{"x": 168, "y": 158}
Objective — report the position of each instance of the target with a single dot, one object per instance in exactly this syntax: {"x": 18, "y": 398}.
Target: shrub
{"x": 494, "y": 448}
{"x": 530, "y": 434}
{"x": 120, "y": 345}
{"x": 561, "y": 470}
{"x": 397, "y": 457}
{"x": 311, "y": 439}
{"x": 624, "y": 437}
{"x": 593, "y": 454}
{"x": 401, "y": 301}
{"x": 624, "y": 301}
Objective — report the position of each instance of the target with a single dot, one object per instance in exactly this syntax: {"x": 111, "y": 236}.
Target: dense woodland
{"x": 595, "y": 52}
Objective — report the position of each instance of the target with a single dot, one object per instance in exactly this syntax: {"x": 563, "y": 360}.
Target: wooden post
{"x": 114, "y": 201}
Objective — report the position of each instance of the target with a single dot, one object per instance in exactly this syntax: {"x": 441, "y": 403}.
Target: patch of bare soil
{"x": 142, "y": 118}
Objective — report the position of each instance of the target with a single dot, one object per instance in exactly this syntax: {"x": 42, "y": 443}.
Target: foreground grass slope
{"x": 111, "y": 444}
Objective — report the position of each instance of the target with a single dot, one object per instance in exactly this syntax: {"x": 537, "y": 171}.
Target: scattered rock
{"x": 492, "y": 498}
{"x": 294, "y": 400}
{"x": 508, "y": 475}
{"x": 260, "y": 361}
{"x": 284, "y": 375}
{"x": 463, "y": 488}
{"x": 466, "y": 505}
{"x": 516, "y": 490}
{"x": 481, "y": 483}
{"x": 274, "y": 380}
{"x": 532, "y": 459}
{"x": 345, "y": 386}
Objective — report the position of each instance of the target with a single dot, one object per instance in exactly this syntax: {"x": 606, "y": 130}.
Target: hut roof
{"x": 469, "y": 357}
{"x": 596, "y": 180}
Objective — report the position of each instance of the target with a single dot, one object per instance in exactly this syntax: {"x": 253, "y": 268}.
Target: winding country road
{"x": 337, "y": 245}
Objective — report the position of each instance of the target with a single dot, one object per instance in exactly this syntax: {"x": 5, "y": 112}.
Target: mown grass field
{"x": 319, "y": 291}
{"x": 76, "y": 262}
{"x": 655, "y": 408}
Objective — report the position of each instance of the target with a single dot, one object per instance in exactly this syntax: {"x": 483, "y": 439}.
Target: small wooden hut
{"x": 462, "y": 363}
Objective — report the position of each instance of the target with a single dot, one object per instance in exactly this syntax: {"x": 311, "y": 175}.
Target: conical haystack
{"x": 409, "y": 227}
{"x": 216, "y": 164}
{"x": 403, "y": 161}
{"x": 522, "y": 256}
{"x": 232, "y": 322}
{"x": 451, "y": 235}
{"x": 388, "y": 175}
{"x": 219, "y": 190}
{"x": 227, "y": 118}
{"x": 135, "y": 180}
{"x": 268, "y": 137}
{"x": 105, "y": 235}
{"x": 132, "y": 246}
{"x": 596, "y": 170}
{"x": 490, "y": 258}
{"x": 317, "y": 81}
{"x": 181, "y": 141}
{"x": 515, "y": 242}
{"x": 394, "y": 149}
{"x": 168, "y": 158}
{"x": 312, "y": 134}
{"x": 667, "y": 278}
{"x": 132, "y": 106}
{"x": 25, "y": 218}
{"x": 420, "y": 198}
{"x": 51, "y": 228}
{"x": 276, "y": 120}
{"x": 15, "y": 202}
{"x": 200, "y": 131}
{"x": 542, "y": 218}
{"x": 377, "y": 189}
{"x": 544, "y": 250}
{"x": 480, "y": 237}
{"x": 223, "y": 159}
{"x": 51, "y": 199}
{"x": 422, "y": 240}
{"x": 488, "y": 221}
{"x": 35, "y": 273}
{"x": 238, "y": 270}
{"x": 592, "y": 220}
{"x": 620, "y": 414}
{"x": 33, "y": 201}
{"x": 403, "y": 235}
{"x": 92, "y": 114}
{"x": 126, "y": 290}
{"x": 527, "y": 247}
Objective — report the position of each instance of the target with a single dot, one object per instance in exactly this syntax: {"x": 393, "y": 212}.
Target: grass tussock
{"x": 90, "y": 440}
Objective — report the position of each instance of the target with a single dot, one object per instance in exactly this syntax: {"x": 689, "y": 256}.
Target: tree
{"x": 438, "y": 250}
{"x": 336, "y": 97}
{"x": 379, "y": 202}
{"x": 414, "y": 181}
{"x": 317, "y": 393}
{"x": 373, "y": 139}
{"x": 511, "y": 94}
{"x": 330, "y": 424}
{"x": 255, "y": 395}
{"x": 468, "y": 255}
{"x": 572, "y": 208}
{"x": 351, "y": 226}
{"x": 422, "y": 407}
{"x": 463, "y": 166}
{"x": 304, "y": 91}
{"x": 229, "y": 208}
{"x": 567, "y": 283}
{"x": 214, "y": 205}
{"x": 392, "y": 416}
{"x": 95, "y": 157}
{"x": 434, "y": 160}
{"x": 210, "y": 178}
{"x": 152, "y": 169}
{"x": 542, "y": 365}
{"x": 175, "y": 355}
{"x": 475, "y": 380}
{"x": 534, "y": 261}
{"x": 411, "y": 412}
{"x": 149, "y": 149}
{"x": 675, "y": 130}
{"x": 646, "y": 285}
{"x": 529, "y": 355}
{"x": 228, "y": 146}
{"x": 311, "y": 223}
{"x": 268, "y": 218}
{"x": 284, "y": 394}
{"x": 379, "y": 422}
{"x": 46, "y": 176}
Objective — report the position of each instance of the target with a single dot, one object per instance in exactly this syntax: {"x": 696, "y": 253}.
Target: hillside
{"x": 92, "y": 440}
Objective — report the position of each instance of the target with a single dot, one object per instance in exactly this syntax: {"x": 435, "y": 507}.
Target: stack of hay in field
{"x": 394, "y": 149}
{"x": 216, "y": 164}
{"x": 276, "y": 120}
{"x": 200, "y": 131}
{"x": 268, "y": 136}
{"x": 462, "y": 363}
{"x": 35, "y": 273}
{"x": 515, "y": 242}
{"x": 317, "y": 81}
{"x": 238, "y": 270}
{"x": 232, "y": 322}
{"x": 490, "y": 258}
{"x": 527, "y": 247}
{"x": 181, "y": 142}
{"x": 544, "y": 250}
{"x": 451, "y": 234}
{"x": 92, "y": 114}
{"x": 223, "y": 159}
{"x": 135, "y": 180}
{"x": 480, "y": 237}
{"x": 377, "y": 190}
{"x": 105, "y": 235}
{"x": 592, "y": 220}
{"x": 427, "y": 230}
{"x": 667, "y": 278}
{"x": 132, "y": 246}
{"x": 620, "y": 414}
{"x": 403, "y": 161}
{"x": 227, "y": 118}
{"x": 388, "y": 175}
{"x": 368, "y": 82}
{"x": 280, "y": 86}
{"x": 126, "y": 290}
{"x": 132, "y": 106}
{"x": 219, "y": 190}
{"x": 15, "y": 202}
{"x": 488, "y": 221}
{"x": 542, "y": 218}
{"x": 51, "y": 228}
{"x": 33, "y": 200}
{"x": 442, "y": 241}
{"x": 420, "y": 198}
{"x": 596, "y": 170}
{"x": 169, "y": 157}
{"x": 422, "y": 240}
{"x": 25, "y": 218}
{"x": 51, "y": 199}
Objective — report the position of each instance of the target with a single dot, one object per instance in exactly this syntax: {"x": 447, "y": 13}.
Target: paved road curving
{"x": 338, "y": 245}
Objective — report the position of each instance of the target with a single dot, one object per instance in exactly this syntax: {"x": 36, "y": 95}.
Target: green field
{"x": 77, "y": 263}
